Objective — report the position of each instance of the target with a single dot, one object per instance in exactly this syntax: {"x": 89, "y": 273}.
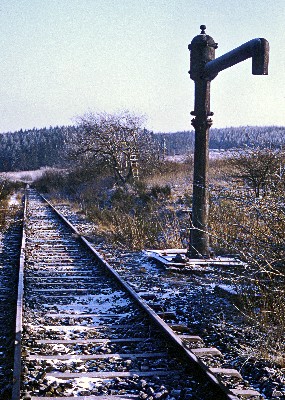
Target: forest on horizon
{"x": 32, "y": 149}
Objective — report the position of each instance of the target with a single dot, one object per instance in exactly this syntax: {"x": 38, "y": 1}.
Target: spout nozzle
{"x": 257, "y": 49}
{"x": 260, "y": 58}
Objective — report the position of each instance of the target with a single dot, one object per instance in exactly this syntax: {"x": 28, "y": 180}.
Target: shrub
{"x": 161, "y": 191}
{"x": 50, "y": 181}
{"x": 254, "y": 230}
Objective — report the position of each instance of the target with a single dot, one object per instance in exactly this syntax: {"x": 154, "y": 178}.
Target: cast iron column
{"x": 200, "y": 206}
{"x": 202, "y": 51}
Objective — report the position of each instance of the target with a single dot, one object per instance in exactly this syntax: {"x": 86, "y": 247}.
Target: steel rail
{"x": 19, "y": 314}
{"x": 197, "y": 365}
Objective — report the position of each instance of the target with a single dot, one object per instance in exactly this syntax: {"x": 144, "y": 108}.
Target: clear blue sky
{"x": 61, "y": 58}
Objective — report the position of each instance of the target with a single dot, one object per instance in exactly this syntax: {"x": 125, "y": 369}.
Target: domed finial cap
{"x": 203, "y": 27}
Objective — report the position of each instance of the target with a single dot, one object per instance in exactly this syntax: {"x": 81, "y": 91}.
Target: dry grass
{"x": 137, "y": 226}
{"x": 6, "y": 212}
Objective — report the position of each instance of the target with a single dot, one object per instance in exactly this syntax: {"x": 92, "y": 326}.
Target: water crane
{"x": 203, "y": 69}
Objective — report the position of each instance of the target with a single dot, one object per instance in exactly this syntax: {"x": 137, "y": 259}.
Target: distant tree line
{"x": 177, "y": 143}
{"x": 36, "y": 148}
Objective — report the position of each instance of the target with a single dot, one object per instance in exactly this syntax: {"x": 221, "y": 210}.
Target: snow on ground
{"x": 14, "y": 200}
{"x": 214, "y": 154}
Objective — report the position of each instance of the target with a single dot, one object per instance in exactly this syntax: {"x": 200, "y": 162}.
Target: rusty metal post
{"x": 204, "y": 68}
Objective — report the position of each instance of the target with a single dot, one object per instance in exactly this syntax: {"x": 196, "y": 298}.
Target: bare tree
{"x": 117, "y": 142}
{"x": 257, "y": 167}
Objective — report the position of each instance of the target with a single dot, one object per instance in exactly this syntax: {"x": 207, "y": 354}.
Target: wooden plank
{"x": 63, "y": 278}
{"x": 109, "y": 375}
{"x": 148, "y": 296}
{"x": 63, "y": 291}
{"x": 65, "y": 296}
{"x": 206, "y": 350}
{"x": 95, "y": 356}
{"x": 157, "y": 307}
{"x": 179, "y": 328}
{"x": 226, "y": 371}
{"x": 62, "y": 284}
{"x": 167, "y": 314}
{"x": 82, "y": 315}
{"x": 83, "y": 327}
{"x": 89, "y": 341}
{"x": 245, "y": 393}
{"x": 190, "y": 338}
{"x": 50, "y": 272}
{"x": 101, "y": 397}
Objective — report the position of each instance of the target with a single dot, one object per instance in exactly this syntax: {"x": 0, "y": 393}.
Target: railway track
{"x": 83, "y": 332}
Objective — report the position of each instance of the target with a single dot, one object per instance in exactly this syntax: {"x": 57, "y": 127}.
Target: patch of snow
{"x": 14, "y": 200}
